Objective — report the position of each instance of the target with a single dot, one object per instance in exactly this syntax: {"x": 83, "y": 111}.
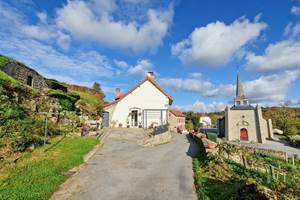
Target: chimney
{"x": 117, "y": 94}
{"x": 150, "y": 75}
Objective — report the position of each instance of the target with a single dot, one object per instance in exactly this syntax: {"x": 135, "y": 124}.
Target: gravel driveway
{"x": 124, "y": 170}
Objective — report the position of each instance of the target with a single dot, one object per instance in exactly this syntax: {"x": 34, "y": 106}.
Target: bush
{"x": 55, "y": 85}
{"x": 212, "y": 136}
{"x": 66, "y": 100}
{"x": 22, "y": 133}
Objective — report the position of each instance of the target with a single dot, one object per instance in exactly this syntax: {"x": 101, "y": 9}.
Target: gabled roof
{"x": 137, "y": 86}
{"x": 177, "y": 113}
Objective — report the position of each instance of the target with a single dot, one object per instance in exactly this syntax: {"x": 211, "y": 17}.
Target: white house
{"x": 205, "y": 120}
{"x": 143, "y": 106}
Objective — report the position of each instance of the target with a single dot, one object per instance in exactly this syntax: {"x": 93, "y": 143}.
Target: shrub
{"x": 23, "y": 133}
{"x": 55, "y": 85}
{"x": 212, "y": 136}
{"x": 100, "y": 110}
{"x": 66, "y": 100}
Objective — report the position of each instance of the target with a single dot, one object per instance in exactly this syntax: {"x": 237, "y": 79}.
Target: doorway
{"x": 134, "y": 118}
{"x": 29, "y": 80}
{"x": 244, "y": 134}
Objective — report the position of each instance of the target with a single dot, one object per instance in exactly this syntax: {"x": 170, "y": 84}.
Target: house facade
{"x": 176, "y": 121}
{"x": 243, "y": 122}
{"x": 144, "y": 106}
{"x": 205, "y": 121}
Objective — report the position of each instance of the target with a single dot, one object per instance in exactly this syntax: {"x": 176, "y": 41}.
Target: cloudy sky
{"x": 194, "y": 47}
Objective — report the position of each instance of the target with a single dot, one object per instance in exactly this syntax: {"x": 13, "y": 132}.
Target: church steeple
{"x": 239, "y": 86}
{"x": 240, "y": 99}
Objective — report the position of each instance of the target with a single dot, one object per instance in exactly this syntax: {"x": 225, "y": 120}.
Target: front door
{"x": 134, "y": 118}
{"x": 244, "y": 134}
{"x": 105, "y": 121}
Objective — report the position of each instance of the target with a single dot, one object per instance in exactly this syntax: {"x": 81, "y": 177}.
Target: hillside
{"x": 23, "y": 108}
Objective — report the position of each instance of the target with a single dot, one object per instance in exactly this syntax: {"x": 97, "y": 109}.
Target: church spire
{"x": 239, "y": 86}
{"x": 240, "y": 99}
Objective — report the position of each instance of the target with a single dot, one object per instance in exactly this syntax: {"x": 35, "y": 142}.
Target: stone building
{"x": 25, "y": 75}
{"x": 243, "y": 122}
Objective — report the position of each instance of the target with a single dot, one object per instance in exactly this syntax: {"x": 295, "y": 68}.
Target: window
{"x": 29, "y": 80}
{"x": 245, "y": 102}
{"x": 238, "y": 103}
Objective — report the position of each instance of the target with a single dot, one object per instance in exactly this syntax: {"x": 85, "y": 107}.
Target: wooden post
{"x": 244, "y": 159}
{"x": 286, "y": 157}
{"x": 293, "y": 160}
{"x": 272, "y": 171}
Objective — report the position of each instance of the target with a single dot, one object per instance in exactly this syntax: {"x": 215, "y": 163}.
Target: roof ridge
{"x": 138, "y": 85}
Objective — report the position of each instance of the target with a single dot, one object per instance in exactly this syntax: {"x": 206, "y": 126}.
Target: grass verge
{"x": 219, "y": 178}
{"x": 38, "y": 174}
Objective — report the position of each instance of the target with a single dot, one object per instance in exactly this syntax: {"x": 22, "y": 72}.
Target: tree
{"x": 189, "y": 125}
{"x": 100, "y": 110}
{"x": 98, "y": 90}
{"x": 97, "y": 87}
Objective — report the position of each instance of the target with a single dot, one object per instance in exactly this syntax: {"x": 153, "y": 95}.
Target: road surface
{"x": 124, "y": 170}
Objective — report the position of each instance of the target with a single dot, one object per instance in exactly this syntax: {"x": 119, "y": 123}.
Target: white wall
{"x": 147, "y": 96}
{"x": 205, "y": 121}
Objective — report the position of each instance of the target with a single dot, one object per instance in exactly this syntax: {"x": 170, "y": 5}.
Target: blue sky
{"x": 194, "y": 47}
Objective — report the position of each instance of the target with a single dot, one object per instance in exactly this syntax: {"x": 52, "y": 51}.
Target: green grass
{"x": 88, "y": 102}
{"x": 3, "y": 61}
{"x": 37, "y": 175}
{"x": 6, "y": 78}
{"x": 219, "y": 178}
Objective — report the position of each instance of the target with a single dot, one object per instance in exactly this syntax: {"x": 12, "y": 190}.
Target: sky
{"x": 195, "y": 48}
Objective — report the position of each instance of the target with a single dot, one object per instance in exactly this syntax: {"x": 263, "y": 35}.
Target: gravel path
{"x": 124, "y": 170}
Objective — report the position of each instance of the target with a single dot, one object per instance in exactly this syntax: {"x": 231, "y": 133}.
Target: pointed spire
{"x": 239, "y": 86}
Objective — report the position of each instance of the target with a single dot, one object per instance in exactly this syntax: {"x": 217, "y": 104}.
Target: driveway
{"x": 124, "y": 170}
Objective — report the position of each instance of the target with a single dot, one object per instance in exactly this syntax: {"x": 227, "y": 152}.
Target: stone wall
{"x": 23, "y": 74}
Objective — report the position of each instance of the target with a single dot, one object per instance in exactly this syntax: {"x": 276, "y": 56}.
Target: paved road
{"x": 124, "y": 170}
{"x": 277, "y": 146}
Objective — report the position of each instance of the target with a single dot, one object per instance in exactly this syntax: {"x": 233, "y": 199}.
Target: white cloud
{"x": 279, "y": 56}
{"x": 141, "y": 68}
{"x": 216, "y": 43}
{"x": 200, "y": 106}
{"x": 42, "y": 17}
{"x": 195, "y": 75}
{"x": 189, "y": 85}
{"x": 292, "y": 31}
{"x": 36, "y": 32}
{"x": 295, "y": 10}
{"x": 121, "y": 64}
{"x": 103, "y": 28}
{"x": 271, "y": 88}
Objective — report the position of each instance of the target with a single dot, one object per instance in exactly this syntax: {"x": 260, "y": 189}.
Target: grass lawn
{"x": 38, "y": 174}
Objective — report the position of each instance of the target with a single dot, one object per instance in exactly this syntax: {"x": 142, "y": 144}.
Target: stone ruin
{"x": 25, "y": 75}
